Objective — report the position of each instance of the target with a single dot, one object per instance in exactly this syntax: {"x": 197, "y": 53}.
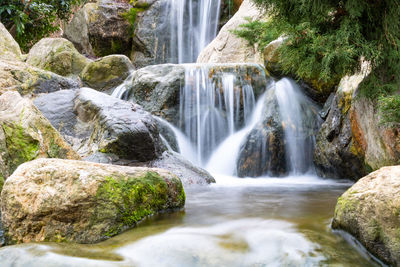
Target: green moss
{"x": 1, "y": 182}
{"x": 20, "y": 145}
{"x": 132, "y": 199}
{"x": 132, "y": 13}
{"x": 345, "y": 204}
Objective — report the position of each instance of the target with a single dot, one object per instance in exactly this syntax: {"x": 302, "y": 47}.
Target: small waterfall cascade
{"x": 193, "y": 25}
{"x": 300, "y": 122}
{"x": 214, "y": 104}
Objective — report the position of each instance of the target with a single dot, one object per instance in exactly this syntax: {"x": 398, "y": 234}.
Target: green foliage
{"x": 390, "y": 108}
{"x": 30, "y": 20}
{"x": 326, "y": 39}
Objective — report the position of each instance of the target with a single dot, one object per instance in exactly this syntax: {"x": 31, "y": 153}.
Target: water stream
{"x": 263, "y": 221}
{"x": 193, "y": 25}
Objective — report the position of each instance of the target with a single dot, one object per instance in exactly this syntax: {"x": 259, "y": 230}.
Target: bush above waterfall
{"x": 326, "y": 40}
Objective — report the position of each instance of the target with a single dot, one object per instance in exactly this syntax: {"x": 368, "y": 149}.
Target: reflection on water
{"x": 237, "y": 222}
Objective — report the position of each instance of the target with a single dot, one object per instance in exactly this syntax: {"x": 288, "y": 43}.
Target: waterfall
{"x": 298, "y": 115}
{"x": 212, "y": 107}
{"x": 193, "y": 25}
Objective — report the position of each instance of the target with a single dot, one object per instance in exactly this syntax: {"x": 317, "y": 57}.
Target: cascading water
{"x": 193, "y": 25}
{"x": 213, "y": 107}
{"x": 298, "y": 114}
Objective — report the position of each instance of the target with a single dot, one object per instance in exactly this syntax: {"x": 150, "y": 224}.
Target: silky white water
{"x": 193, "y": 25}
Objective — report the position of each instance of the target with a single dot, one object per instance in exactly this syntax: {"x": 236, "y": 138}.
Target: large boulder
{"x": 157, "y": 89}
{"x": 30, "y": 81}
{"x": 229, "y": 48}
{"x": 9, "y": 48}
{"x": 106, "y": 73}
{"x": 352, "y": 142}
{"x": 57, "y": 55}
{"x": 370, "y": 211}
{"x": 101, "y": 28}
{"x": 25, "y": 134}
{"x": 74, "y": 201}
{"x": 95, "y": 122}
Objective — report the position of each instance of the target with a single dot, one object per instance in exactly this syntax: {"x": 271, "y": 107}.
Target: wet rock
{"x": 101, "y": 29}
{"x": 229, "y": 48}
{"x": 263, "y": 151}
{"x": 151, "y": 44}
{"x": 9, "y": 48}
{"x": 106, "y": 73}
{"x": 74, "y": 201}
{"x": 157, "y": 89}
{"x": 57, "y": 55}
{"x": 369, "y": 210}
{"x": 95, "y": 122}
{"x": 30, "y": 81}
{"x": 184, "y": 169}
{"x": 25, "y": 134}
{"x": 352, "y": 142}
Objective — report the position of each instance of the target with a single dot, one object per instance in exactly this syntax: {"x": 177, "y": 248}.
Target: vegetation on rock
{"x": 327, "y": 39}
{"x": 31, "y": 20}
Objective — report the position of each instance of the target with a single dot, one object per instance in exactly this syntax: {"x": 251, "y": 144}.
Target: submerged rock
{"x": 370, "y": 210}
{"x": 95, "y": 122}
{"x": 74, "y": 201}
{"x": 101, "y": 29}
{"x": 352, "y": 142}
{"x": 263, "y": 151}
{"x": 25, "y": 134}
{"x": 107, "y": 72}
{"x": 229, "y": 48}
{"x": 57, "y": 55}
{"x": 9, "y": 48}
{"x": 30, "y": 81}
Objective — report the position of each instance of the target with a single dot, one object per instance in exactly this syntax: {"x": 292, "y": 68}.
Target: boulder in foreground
{"x": 370, "y": 211}
{"x": 75, "y": 201}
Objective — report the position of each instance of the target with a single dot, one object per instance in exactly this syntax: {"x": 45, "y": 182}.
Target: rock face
{"x": 73, "y": 201}
{"x": 9, "y": 48}
{"x": 100, "y": 29}
{"x": 370, "y": 209}
{"x": 95, "y": 122}
{"x": 150, "y": 41}
{"x": 57, "y": 55}
{"x": 352, "y": 142}
{"x": 263, "y": 152}
{"x": 29, "y": 81}
{"x": 227, "y": 47}
{"x": 107, "y": 72}
{"x": 26, "y": 135}
{"x": 157, "y": 88}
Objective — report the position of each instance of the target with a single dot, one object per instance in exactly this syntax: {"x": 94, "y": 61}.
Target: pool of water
{"x": 236, "y": 222}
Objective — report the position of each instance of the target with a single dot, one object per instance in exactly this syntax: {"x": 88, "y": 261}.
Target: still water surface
{"x": 236, "y": 222}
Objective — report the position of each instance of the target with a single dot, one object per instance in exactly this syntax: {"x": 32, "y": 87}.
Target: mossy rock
{"x": 57, "y": 55}
{"x": 89, "y": 202}
{"x": 370, "y": 211}
{"x": 107, "y": 72}
{"x": 26, "y": 135}
{"x": 30, "y": 81}
{"x": 9, "y": 48}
